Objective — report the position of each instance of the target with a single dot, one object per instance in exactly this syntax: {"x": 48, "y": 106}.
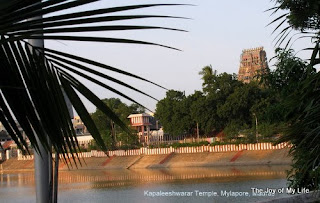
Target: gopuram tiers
{"x": 252, "y": 62}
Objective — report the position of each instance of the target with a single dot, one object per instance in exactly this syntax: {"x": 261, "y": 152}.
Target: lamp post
{"x": 256, "y": 126}
{"x": 42, "y": 158}
{"x": 198, "y": 137}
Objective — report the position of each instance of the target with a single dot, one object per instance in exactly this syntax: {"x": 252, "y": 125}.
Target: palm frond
{"x": 286, "y": 27}
{"x": 34, "y": 81}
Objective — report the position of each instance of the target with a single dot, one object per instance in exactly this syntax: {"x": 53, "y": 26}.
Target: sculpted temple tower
{"x": 252, "y": 62}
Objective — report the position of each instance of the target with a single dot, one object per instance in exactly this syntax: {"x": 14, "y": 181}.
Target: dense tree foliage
{"x": 247, "y": 111}
{"x": 225, "y": 103}
{"x": 304, "y": 14}
{"x": 290, "y": 71}
{"x": 174, "y": 113}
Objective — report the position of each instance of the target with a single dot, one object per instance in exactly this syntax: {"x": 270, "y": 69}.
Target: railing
{"x": 180, "y": 150}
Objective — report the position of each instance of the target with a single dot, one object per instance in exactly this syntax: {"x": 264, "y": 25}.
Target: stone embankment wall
{"x": 204, "y": 156}
{"x": 180, "y": 150}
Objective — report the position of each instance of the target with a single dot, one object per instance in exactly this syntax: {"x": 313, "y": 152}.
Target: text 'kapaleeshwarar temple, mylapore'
{"x": 252, "y": 62}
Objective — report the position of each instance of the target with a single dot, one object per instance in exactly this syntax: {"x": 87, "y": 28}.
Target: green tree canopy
{"x": 218, "y": 85}
{"x": 303, "y": 15}
{"x": 289, "y": 72}
{"x": 173, "y": 113}
{"x": 237, "y": 106}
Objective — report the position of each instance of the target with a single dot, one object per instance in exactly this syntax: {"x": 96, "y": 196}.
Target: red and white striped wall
{"x": 158, "y": 151}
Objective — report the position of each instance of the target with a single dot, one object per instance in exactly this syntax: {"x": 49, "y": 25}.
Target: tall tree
{"x": 238, "y": 104}
{"x": 239, "y": 112}
{"x": 208, "y": 76}
{"x": 198, "y": 111}
{"x": 217, "y": 88}
{"x": 289, "y": 71}
{"x": 173, "y": 113}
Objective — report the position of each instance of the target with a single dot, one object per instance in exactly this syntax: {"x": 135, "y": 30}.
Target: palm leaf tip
{"x": 43, "y": 111}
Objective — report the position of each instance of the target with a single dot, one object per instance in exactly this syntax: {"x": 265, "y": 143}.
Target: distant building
{"x": 1, "y": 127}
{"x": 79, "y": 126}
{"x": 83, "y": 135}
{"x": 6, "y": 140}
{"x": 4, "y": 136}
{"x": 252, "y": 62}
{"x": 147, "y": 127}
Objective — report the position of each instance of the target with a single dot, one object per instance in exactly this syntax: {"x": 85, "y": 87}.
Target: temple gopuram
{"x": 252, "y": 62}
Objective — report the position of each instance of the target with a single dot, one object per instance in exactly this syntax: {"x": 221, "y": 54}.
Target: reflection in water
{"x": 152, "y": 175}
{"x": 90, "y": 180}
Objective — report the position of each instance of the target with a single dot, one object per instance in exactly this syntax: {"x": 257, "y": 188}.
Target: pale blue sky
{"x": 218, "y": 32}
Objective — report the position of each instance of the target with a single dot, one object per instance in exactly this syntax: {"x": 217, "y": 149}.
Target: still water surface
{"x": 152, "y": 185}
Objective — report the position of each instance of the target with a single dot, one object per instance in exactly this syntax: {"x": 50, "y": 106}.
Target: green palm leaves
{"x": 35, "y": 81}
{"x": 303, "y": 102}
{"x": 302, "y": 16}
